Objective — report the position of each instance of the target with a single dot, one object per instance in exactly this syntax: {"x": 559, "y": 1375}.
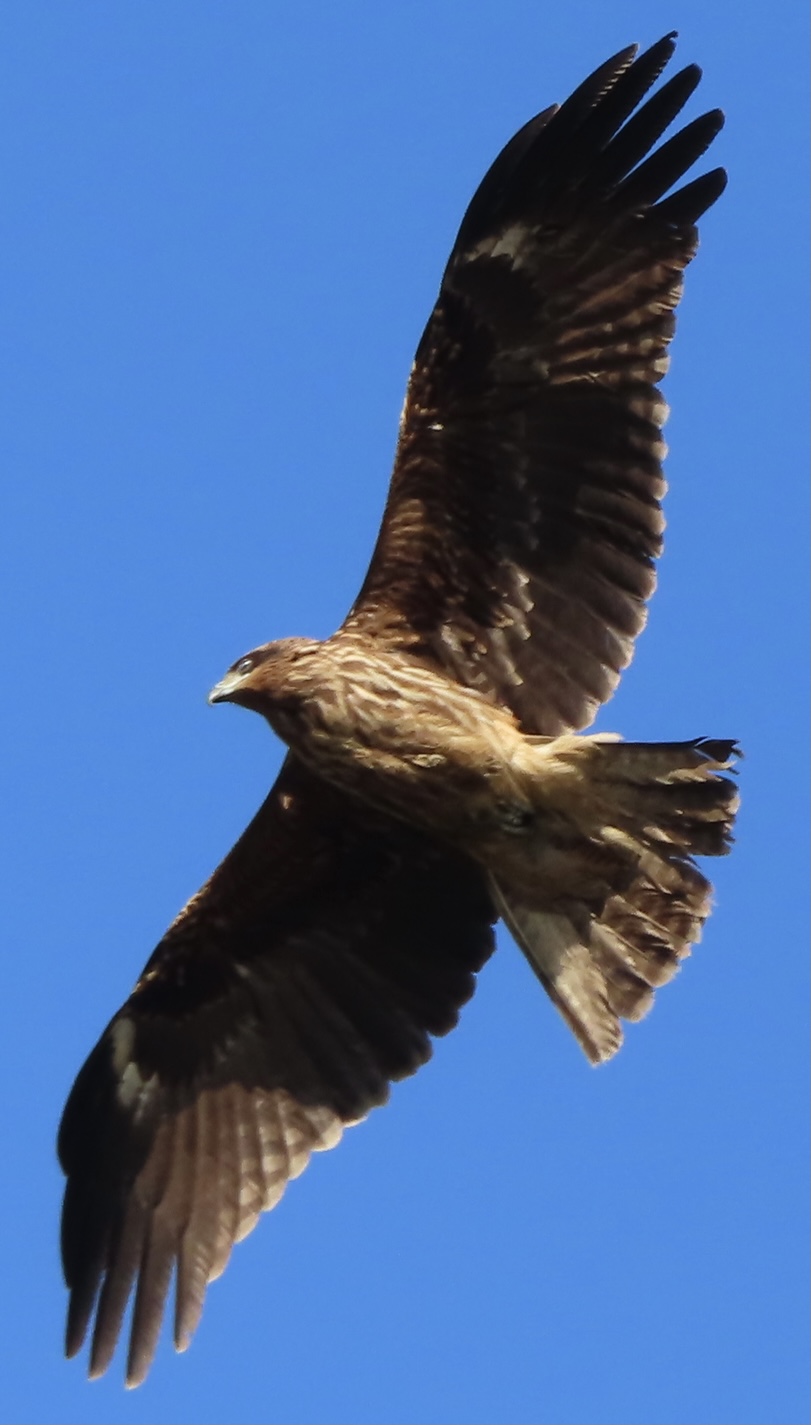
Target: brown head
{"x": 262, "y": 678}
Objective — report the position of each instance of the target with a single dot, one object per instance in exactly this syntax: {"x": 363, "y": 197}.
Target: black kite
{"x": 434, "y": 781}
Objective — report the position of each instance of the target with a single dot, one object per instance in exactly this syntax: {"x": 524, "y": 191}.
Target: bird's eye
{"x": 245, "y": 665}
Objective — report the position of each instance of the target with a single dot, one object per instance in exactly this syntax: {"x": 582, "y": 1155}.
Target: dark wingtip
{"x": 715, "y": 120}
{"x": 76, "y": 1327}
{"x": 716, "y": 180}
{"x": 624, "y": 56}
{"x": 594, "y": 88}
{"x": 665, "y": 47}
{"x": 691, "y": 202}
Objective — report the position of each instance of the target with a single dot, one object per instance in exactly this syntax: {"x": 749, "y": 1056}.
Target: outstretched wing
{"x": 305, "y": 976}
{"x": 518, "y": 543}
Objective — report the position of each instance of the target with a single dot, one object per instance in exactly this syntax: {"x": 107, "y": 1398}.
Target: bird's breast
{"x": 402, "y": 739}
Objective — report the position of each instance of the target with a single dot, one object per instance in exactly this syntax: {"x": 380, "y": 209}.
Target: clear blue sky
{"x": 223, "y": 225}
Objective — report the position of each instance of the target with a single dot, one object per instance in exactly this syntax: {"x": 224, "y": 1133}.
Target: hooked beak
{"x": 223, "y": 691}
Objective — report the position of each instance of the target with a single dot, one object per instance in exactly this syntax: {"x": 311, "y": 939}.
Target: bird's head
{"x": 264, "y": 676}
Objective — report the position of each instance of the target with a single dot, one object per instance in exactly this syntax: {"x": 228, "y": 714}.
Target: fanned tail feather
{"x": 658, "y": 805}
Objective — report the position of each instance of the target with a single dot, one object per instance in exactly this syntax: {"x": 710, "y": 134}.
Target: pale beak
{"x": 222, "y": 692}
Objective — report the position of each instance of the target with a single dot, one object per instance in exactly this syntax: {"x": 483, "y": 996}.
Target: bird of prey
{"x": 437, "y": 778}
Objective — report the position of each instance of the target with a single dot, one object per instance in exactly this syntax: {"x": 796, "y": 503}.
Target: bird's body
{"x": 413, "y": 743}
{"x": 437, "y": 776}
{"x": 395, "y": 733}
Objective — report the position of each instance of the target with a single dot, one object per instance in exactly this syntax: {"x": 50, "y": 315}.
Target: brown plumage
{"x": 435, "y": 779}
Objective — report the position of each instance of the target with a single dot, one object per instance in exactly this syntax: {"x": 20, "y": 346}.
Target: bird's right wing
{"x": 305, "y": 976}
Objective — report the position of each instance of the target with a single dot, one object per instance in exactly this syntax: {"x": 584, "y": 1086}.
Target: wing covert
{"x": 524, "y": 518}
{"x": 306, "y": 976}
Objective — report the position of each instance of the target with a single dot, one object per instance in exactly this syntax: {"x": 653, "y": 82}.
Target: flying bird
{"x": 437, "y": 778}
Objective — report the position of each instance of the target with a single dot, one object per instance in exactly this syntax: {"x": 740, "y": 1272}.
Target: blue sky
{"x": 222, "y": 230}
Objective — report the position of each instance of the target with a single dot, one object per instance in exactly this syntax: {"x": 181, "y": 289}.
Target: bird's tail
{"x": 635, "y": 815}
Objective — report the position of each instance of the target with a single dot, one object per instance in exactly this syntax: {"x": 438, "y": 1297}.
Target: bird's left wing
{"x": 304, "y": 977}
{"x": 524, "y": 518}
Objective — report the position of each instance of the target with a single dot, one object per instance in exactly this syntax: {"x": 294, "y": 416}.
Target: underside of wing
{"x": 307, "y": 975}
{"x": 524, "y": 518}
